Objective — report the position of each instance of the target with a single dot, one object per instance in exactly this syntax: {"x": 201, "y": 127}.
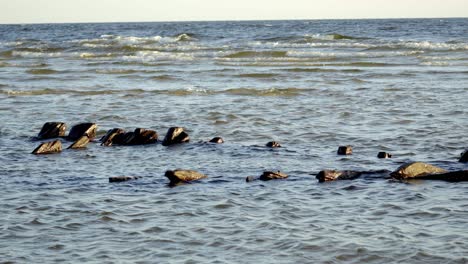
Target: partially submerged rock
{"x": 464, "y": 156}
{"x": 83, "y": 129}
{"x": 384, "y": 155}
{"x": 140, "y": 136}
{"x": 49, "y": 148}
{"x": 273, "y": 144}
{"x": 81, "y": 143}
{"x": 175, "y": 135}
{"x": 217, "y": 140}
{"x": 345, "y": 150}
{"x": 122, "y": 178}
{"x": 451, "y": 176}
{"x": 52, "y": 130}
{"x": 333, "y": 175}
{"x": 178, "y": 175}
{"x": 415, "y": 170}
{"x": 144, "y": 136}
{"x": 108, "y": 138}
{"x": 273, "y": 175}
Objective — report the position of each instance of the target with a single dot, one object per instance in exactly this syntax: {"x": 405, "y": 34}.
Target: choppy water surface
{"x": 380, "y": 85}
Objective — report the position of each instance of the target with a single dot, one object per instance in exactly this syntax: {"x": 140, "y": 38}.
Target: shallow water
{"x": 379, "y": 85}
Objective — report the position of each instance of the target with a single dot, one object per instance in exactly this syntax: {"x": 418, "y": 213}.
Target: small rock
{"x": 273, "y": 175}
{"x": 144, "y": 136}
{"x": 384, "y": 155}
{"x": 415, "y": 170}
{"x": 88, "y": 129}
{"x": 108, "y": 138}
{"x": 52, "y": 130}
{"x": 333, "y": 175}
{"x": 178, "y": 175}
{"x": 345, "y": 150}
{"x": 80, "y": 143}
{"x": 464, "y": 156}
{"x": 273, "y": 144}
{"x": 49, "y": 148}
{"x": 250, "y": 179}
{"x": 217, "y": 140}
{"x": 123, "y": 178}
{"x": 175, "y": 135}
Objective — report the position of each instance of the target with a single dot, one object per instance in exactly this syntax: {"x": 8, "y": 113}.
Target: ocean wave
{"x": 42, "y": 71}
{"x": 257, "y": 75}
{"x": 267, "y": 92}
{"x": 157, "y": 56}
{"x": 256, "y": 54}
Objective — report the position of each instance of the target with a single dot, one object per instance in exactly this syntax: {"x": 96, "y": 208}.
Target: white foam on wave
{"x": 155, "y": 56}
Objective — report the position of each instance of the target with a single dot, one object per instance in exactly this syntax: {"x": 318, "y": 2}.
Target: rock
{"x": 108, "y": 138}
{"x": 178, "y": 175}
{"x": 217, "y": 140}
{"x": 273, "y": 175}
{"x": 384, "y": 155}
{"x": 273, "y": 144}
{"x": 144, "y": 136}
{"x": 464, "y": 156}
{"x": 49, "y": 148}
{"x": 250, "y": 179}
{"x": 52, "y": 130}
{"x": 333, "y": 175}
{"x": 345, "y": 150}
{"x": 88, "y": 129}
{"x": 415, "y": 170}
{"x": 80, "y": 143}
{"x": 451, "y": 176}
{"x": 175, "y": 135}
{"x": 123, "y": 178}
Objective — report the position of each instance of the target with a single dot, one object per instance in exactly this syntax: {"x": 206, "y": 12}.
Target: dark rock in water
{"x": 123, "y": 178}
{"x": 217, "y": 140}
{"x": 273, "y": 144}
{"x": 52, "y": 130}
{"x": 178, "y": 175}
{"x": 384, "y": 155}
{"x": 415, "y": 170}
{"x": 250, "y": 179}
{"x": 49, "y": 148}
{"x": 108, "y": 138}
{"x": 80, "y": 143}
{"x": 273, "y": 175}
{"x": 464, "y": 156}
{"x": 83, "y": 129}
{"x": 175, "y": 135}
{"x": 451, "y": 176}
{"x": 345, "y": 150}
{"x": 334, "y": 175}
{"x": 144, "y": 136}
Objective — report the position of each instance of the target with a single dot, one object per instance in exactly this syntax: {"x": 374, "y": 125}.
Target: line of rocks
{"x": 83, "y": 133}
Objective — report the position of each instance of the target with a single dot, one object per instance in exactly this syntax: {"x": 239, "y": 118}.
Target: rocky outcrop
{"x": 345, "y": 150}
{"x": 334, "y": 175}
{"x": 140, "y": 136}
{"x": 384, "y": 155}
{"x": 49, "y": 148}
{"x": 178, "y": 175}
{"x": 122, "y": 178}
{"x": 108, "y": 138}
{"x": 217, "y": 140}
{"x": 175, "y": 135}
{"x": 464, "y": 156}
{"x": 415, "y": 170}
{"x": 83, "y": 129}
{"x": 273, "y": 175}
{"x": 52, "y": 130}
{"x": 273, "y": 144}
{"x": 81, "y": 143}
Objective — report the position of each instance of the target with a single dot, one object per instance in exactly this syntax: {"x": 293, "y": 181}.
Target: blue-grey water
{"x": 399, "y": 86}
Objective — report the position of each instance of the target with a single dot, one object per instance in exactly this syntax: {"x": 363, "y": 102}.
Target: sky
{"x": 65, "y": 11}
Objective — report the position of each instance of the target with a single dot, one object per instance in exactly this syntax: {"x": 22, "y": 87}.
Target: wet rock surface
{"x": 48, "y": 148}
{"x": 273, "y": 144}
{"x": 179, "y": 175}
{"x": 83, "y": 129}
{"x": 217, "y": 140}
{"x": 384, "y": 155}
{"x": 80, "y": 143}
{"x": 175, "y": 135}
{"x": 108, "y": 138}
{"x": 52, "y": 130}
{"x": 123, "y": 178}
{"x": 345, "y": 150}
{"x": 464, "y": 156}
{"x": 415, "y": 170}
{"x": 333, "y": 175}
{"x": 272, "y": 175}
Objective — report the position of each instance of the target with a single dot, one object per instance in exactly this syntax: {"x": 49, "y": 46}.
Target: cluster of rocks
{"x": 83, "y": 133}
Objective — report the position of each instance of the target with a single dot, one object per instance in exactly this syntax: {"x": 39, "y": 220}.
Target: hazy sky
{"x": 47, "y": 11}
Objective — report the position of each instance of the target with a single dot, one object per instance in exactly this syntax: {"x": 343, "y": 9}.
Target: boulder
{"x": 122, "y": 178}
{"x": 384, "y": 155}
{"x": 334, "y": 175}
{"x": 175, "y": 135}
{"x": 80, "y": 143}
{"x": 143, "y": 136}
{"x": 273, "y": 175}
{"x": 178, "y": 175}
{"x": 83, "y": 129}
{"x": 451, "y": 176}
{"x": 415, "y": 170}
{"x": 108, "y": 138}
{"x": 217, "y": 140}
{"x": 345, "y": 150}
{"x": 49, "y": 148}
{"x": 464, "y": 156}
{"x": 52, "y": 130}
{"x": 273, "y": 144}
